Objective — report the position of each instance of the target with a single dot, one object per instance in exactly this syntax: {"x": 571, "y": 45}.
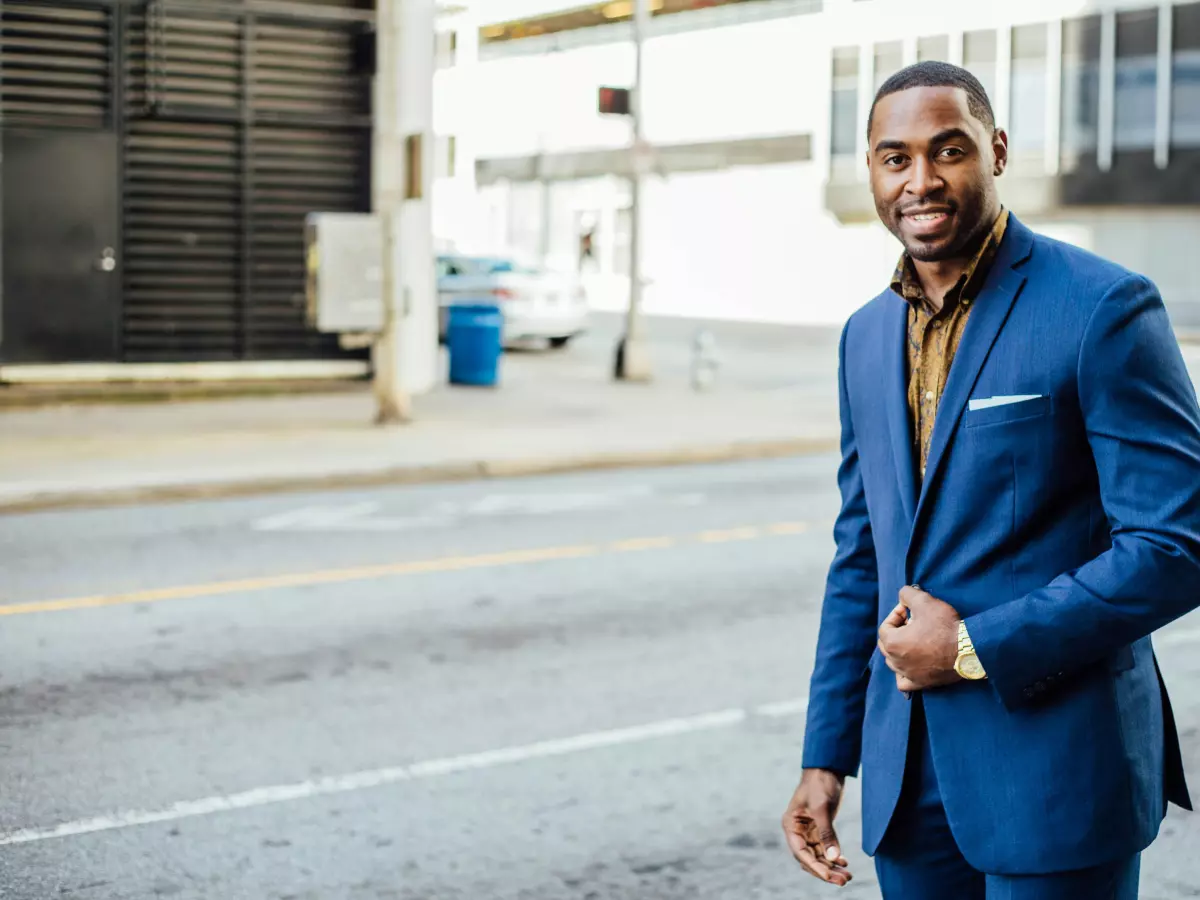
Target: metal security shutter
{"x": 56, "y": 64}
{"x": 181, "y": 63}
{"x": 296, "y": 171}
{"x": 239, "y": 124}
{"x": 306, "y": 70}
{"x": 182, "y": 210}
{"x": 301, "y": 72}
{"x": 182, "y": 189}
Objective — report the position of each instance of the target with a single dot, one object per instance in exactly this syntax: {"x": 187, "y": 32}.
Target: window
{"x": 936, "y": 48}
{"x": 843, "y": 124}
{"x": 1135, "y": 81}
{"x": 979, "y": 58}
{"x": 1080, "y": 89}
{"x": 1027, "y": 118}
{"x": 889, "y": 59}
{"x": 1185, "y": 77}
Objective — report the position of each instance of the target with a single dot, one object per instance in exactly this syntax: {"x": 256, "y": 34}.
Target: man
{"x": 1020, "y": 485}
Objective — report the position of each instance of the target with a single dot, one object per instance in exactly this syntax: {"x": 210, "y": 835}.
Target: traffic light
{"x": 614, "y": 101}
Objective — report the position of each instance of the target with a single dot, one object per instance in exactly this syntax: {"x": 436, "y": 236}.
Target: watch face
{"x": 969, "y": 666}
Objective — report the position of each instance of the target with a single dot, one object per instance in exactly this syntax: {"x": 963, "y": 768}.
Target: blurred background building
{"x": 159, "y": 156}
{"x": 758, "y": 107}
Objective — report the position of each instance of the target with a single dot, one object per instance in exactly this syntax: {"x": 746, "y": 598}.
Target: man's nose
{"x": 924, "y": 179}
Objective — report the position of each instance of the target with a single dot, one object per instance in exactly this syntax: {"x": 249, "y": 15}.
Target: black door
{"x": 61, "y": 300}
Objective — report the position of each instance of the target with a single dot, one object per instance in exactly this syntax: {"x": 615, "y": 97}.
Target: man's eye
{"x": 952, "y": 151}
{"x": 893, "y": 160}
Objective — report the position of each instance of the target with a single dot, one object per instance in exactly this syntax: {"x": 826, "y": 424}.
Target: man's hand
{"x": 808, "y": 826}
{"x": 920, "y": 649}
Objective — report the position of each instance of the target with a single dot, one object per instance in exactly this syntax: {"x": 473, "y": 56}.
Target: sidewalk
{"x": 553, "y": 412}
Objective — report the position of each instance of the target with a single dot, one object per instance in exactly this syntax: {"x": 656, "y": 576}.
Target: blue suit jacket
{"x": 1064, "y": 530}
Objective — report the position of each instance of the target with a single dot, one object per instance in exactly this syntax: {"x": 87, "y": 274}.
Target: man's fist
{"x": 919, "y": 641}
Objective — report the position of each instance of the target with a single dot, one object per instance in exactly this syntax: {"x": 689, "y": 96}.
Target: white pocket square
{"x": 1003, "y": 400}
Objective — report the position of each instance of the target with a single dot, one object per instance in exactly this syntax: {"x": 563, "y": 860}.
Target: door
{"x": 61, "y": 300}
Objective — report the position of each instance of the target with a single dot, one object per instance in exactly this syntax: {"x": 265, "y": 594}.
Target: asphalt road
{"x": 575, "y": 687}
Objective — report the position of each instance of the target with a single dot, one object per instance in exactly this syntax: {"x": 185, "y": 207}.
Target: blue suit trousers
{"x": 919, "y": 859}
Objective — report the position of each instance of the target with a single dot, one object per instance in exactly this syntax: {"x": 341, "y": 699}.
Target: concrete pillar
{"x": 406, "y": 358}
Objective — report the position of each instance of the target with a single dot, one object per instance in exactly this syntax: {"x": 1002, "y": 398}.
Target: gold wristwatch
{"x": 967, "y": 664}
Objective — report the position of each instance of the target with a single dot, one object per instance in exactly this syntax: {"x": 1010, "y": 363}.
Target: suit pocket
{"x": 1037, "y": 408}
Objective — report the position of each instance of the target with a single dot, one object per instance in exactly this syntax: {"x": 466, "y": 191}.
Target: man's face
{"x": 933, "y": 171}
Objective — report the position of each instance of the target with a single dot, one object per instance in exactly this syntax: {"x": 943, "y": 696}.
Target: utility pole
{"x": 633, "y": 357}
{"x": 404, "y": 356}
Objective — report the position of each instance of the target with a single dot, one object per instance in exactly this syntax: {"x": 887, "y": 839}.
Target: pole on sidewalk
{"x": 404, "y": 357}
{"x": 633, "y": 357}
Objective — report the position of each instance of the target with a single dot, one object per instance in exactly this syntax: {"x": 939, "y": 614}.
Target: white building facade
{"x": 758, "y": 208}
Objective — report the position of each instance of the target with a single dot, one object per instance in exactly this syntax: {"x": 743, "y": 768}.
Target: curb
{"x": 415, "y": 474}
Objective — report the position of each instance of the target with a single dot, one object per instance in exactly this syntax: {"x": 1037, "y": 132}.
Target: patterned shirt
{"x": 933, "y": 336}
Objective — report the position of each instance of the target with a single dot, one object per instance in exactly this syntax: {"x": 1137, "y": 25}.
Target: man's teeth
{"x": 925, "y": 217}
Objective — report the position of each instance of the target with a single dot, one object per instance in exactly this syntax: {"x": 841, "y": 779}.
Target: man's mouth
{"x": 927, "y": 221}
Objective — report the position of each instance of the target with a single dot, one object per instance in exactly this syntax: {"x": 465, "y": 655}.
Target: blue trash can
{"x": 473, "y": 337}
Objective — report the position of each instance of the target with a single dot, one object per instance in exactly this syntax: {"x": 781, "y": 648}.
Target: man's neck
{"x": 937, "y": 277}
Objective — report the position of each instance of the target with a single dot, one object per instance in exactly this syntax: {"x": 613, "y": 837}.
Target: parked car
{"x": 537, "y": 303}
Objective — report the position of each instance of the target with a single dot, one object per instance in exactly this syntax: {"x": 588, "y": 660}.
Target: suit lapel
{"x": 895, "y": 380}
{"x": 987, "y": 318}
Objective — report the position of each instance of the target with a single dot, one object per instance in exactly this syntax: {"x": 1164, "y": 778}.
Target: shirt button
{"x": 929, "y": 395}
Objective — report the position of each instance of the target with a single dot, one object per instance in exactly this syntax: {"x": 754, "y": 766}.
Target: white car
{"x": 537, "y": 304}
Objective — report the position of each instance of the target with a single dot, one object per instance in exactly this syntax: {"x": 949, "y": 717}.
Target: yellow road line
{"x": 787, "y": 528}
{"x": 746, "y": 533}
{"x": 634, "y": 544}
{"x": 368, "y": 573}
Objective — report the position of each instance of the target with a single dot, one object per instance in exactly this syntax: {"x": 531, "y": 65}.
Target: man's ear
{"x": 1000, "y": 151}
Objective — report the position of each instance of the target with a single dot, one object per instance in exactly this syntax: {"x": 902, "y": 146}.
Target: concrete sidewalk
{"x": 554, "y": 411}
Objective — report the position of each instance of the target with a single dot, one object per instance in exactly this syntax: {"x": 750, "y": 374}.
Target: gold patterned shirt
{"x": 934, "y": 335}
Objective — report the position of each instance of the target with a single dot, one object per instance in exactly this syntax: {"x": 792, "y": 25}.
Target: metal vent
{"x": 180, "y": 62}
{"x": 306, "y": 70}
{"x": 57, "y": 64}
{"x": 182, "y": 236}
{"x": 295, "y": 171}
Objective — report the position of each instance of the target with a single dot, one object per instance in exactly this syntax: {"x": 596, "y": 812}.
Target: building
{"x": 759, "y": 108}
{"x": 159, "y": 158}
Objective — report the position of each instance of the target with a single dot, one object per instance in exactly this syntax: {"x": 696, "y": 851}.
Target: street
{"x": 578, "y": 686}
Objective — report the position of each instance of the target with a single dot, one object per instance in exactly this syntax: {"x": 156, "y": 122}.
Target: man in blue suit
{"x": 1020, "y": 484}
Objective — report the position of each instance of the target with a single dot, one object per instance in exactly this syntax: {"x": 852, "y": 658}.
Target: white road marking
{"x": 372, "y": 778}
{"x": 783, "y": 708}
{"x": 367, "y": 516}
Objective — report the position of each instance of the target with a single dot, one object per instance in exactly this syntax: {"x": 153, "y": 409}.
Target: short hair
{"x": 938, "y": 74}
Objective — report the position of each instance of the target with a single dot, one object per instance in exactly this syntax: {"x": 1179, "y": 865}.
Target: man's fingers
{"x": 833, "y": 851}
{"x": 804, "y": 838}
{"x": 821, "y": 869}
{"x": 910, "y": 596}
{"x": 897, "y": 618}
{"x": 906, "y": 684}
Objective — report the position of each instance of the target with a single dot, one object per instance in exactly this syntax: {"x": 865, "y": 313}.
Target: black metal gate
{"x": 234, "y": 120}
